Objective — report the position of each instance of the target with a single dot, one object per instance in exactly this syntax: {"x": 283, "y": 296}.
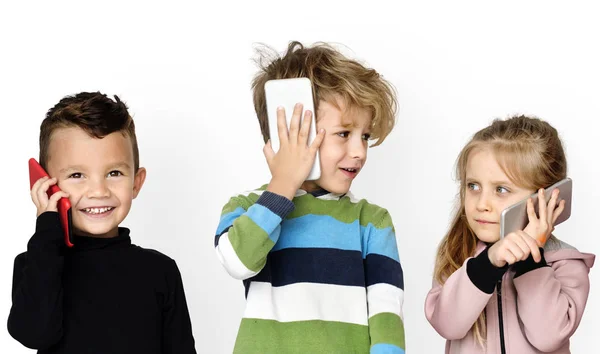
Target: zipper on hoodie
{"x": 500, "y": 319}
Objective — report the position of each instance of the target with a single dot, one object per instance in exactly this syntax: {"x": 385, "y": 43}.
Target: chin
{"x": 96, "y": 231}
{"x": 487, "y": 237}
{"x": 335, "y": 188}
{"x": 332, "y": 185}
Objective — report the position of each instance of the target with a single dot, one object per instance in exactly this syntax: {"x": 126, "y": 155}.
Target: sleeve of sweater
{"x": 177, "y": 327}
{"x": 385, "y": 285}
{"x": 36, "y": 314}
{"x": 248, "y": 231}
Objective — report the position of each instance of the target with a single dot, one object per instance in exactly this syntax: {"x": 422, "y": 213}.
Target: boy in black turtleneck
{"x": 104, "y": 295}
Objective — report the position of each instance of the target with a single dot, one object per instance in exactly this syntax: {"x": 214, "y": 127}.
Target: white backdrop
{"x": 185, "y": 71}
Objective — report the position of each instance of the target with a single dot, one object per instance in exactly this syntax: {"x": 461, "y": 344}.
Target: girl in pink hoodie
{"x": 524, "y": 293}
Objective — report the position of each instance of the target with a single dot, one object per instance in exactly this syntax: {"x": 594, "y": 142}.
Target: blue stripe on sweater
{"x": 383, "y": 348}
{"x": 228, "y": 219}
{"x": 324, "y": 231}
{"x": 261, "y": 215}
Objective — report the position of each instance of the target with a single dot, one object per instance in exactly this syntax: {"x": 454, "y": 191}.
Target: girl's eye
{"x": 343, "y": 134}
{"x": 75, "y": 175}
{"x": 366, "y": 136}
{"x": 502, "y": 190}
{"x": 472, "y": 186}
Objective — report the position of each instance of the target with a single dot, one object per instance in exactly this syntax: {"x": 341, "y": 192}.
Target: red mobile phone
{"x": 64, "y": 205}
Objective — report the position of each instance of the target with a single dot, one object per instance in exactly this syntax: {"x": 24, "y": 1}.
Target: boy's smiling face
{"x": 99, "y": 176}
{"x": 343, "y": 152}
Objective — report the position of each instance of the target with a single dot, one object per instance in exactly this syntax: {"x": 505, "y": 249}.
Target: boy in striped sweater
{"x": 320, "y": 267}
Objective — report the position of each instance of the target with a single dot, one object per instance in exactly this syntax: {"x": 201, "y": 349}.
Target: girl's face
{"x": 488, "y": 192}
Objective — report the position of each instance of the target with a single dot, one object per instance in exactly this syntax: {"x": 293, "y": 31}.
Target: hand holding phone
{"x": 519, "y": 216}
{"x": 287, "y": 94}
{"x": 540, "y": 227}
{"x": 46, "y": 196}
{"x": 291, "y": 164}
{"x": 292, "y": 154}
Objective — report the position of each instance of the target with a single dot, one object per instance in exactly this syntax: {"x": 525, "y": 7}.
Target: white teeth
{"x": 350, "y": 169}
{"x": 97, "y": 210}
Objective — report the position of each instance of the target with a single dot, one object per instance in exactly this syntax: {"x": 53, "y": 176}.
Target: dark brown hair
{"x": 94, "y": 113}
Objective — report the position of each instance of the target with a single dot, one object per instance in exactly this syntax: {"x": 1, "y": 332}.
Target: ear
{"x": 138, "y": 181}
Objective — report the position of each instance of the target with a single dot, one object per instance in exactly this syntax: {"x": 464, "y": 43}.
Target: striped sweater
{"x": 322, "y": 273}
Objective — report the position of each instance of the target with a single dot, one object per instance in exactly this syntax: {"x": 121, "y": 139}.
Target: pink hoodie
{"x": 542, "y": 303}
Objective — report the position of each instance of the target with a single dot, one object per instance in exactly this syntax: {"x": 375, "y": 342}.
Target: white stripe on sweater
{"x": 384, "y": 297}
{"x": 230, "y": 260}
{"x": 307, "y": 301}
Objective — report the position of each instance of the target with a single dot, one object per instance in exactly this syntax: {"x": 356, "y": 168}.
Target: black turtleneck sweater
{"x": 103, "y": 296}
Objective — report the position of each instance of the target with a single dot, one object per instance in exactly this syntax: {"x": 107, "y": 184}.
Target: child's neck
{"x": 112, "y": 233}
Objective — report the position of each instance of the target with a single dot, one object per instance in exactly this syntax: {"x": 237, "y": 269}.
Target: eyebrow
{"x": 346, "y": 125}
{"x": 71, "y": 168}
{"x": 496, "y": 183}
{"x": 79, "y": 167}
{"x": 120, "y": 165}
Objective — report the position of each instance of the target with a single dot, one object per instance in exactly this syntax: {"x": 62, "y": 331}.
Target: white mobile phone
{"x": 286, "y": 93}
{"x": 515, "y": 217}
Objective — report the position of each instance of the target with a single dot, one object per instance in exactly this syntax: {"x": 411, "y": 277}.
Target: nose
{"x": 98, "y": 189}
{"x": 483, "y": 202}
{"x": 357, "y": 148}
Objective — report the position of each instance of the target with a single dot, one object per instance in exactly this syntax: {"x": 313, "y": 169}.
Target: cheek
{"x": 122, "y": 189}
{"x": 74, "y": 189}
{"x": 331, "y": 152}
{"x": 469, "y": 205}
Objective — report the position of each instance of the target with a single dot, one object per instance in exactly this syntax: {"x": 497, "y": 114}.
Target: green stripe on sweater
{"x": 387, "y": 328}
{"x": 252, "y": 245}
{"x": 315, "y": 337}
{"x": 343, "y": 210}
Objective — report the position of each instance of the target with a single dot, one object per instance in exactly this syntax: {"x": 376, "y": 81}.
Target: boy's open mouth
{"x": 350, "y": 172}
{"x": 97, "y": 211}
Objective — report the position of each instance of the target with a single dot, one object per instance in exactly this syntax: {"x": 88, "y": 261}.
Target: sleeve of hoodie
{"x": 36, "y": 315}
{"x": 551, "y": 298}
{"x": 453, "y": 308}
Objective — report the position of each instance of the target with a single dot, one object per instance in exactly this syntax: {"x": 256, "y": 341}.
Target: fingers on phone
{"x": 282, "y": 126}
{"x": 542, "y": 205}
{"x": 558, "y": 211}
{"x": 268, "y": 151}
{"x": 318, "y": 141}
{"x": 531, "y": 210}
{"x": 53, "y": 201}
{"x": 305, "y": 128}
{"x": 295, "y": 122}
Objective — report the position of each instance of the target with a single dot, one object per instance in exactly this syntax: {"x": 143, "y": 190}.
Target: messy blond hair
{"x": 531, "y": 154}
{"x": 333, "y": 77}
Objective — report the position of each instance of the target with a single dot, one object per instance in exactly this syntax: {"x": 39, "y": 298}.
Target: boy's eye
{"x": 343, "y": 134}
{"x": 75, "y": 175}
{"x": 115, "y": 173}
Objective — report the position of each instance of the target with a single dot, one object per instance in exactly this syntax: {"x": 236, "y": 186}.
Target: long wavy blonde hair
{"x": 531, "y": 154}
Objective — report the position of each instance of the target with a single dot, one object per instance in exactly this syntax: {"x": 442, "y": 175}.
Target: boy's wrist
{"x": 283, "y": 188}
